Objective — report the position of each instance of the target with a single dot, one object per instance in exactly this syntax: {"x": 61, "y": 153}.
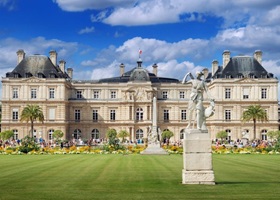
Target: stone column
{"x": 197, "y": 158}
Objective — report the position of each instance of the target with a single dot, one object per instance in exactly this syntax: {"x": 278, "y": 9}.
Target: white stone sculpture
{"x": 196, "y": 101}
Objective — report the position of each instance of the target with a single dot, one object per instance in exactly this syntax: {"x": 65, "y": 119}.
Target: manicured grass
{"x": 134, "y": 177}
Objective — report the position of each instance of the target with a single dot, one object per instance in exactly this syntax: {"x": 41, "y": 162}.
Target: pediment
{"x": 246, "y": 80}
{"x": 33, "y": 80}
{"x": 139, "y": 93}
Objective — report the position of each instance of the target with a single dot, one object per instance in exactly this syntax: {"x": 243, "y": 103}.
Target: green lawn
{"x": 134, "y": 177}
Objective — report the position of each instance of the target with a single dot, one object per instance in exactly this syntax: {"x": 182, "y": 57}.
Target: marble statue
{"x": 196, "y": 101}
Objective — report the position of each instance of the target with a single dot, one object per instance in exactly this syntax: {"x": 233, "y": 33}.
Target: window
{"x": 264, "y": 134}
{"x": 33, "y": 93}
{"x": 50, "y": 134}
{"x": 15, "y": 134}
{"x": 182, "y": 95}
{"x": 113, "y": 94}
{"x": 79, "y": 94}
{"x": 227, "y": 115}
{"x": 164, "y": 95}
{"x": 77, "y": 133}
{"x": 15, "y": 93}
{"x": 139, "y": 134}
{"x": 51, "y": 114}
{"x": 264, "y": 93}
{"x": 95, "y": 134}
{"x": 139, "y": 114}
{"x": 112, "y": 115}
{"x": 96, "y": 94}
{"x": 95, "y": 115}
{"x": 246, "y": 93}
{"x": 182, "y": 134}
{"x": 166, "y": 115}
{"x": 228, "y": 134}
{"x": 77, "y": 115}
{"x": 51, "y": 93}
{"x": 227, "y": 93}
{"x": 183, "y": 114}
{"x": 15, "y": 114}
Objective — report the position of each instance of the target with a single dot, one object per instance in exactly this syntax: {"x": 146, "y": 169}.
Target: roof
{"x": 139, "y": 74}
{"x": 242, "y": 66}
{"x": 38, "y": 66}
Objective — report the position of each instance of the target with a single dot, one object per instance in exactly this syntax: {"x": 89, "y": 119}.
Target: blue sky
{"x": 95, "y": 36}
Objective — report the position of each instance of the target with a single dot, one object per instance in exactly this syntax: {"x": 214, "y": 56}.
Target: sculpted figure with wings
{"x": 196, "y": 100}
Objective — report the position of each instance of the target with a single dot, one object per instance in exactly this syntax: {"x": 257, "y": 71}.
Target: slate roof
{"x": 38, "y": 66}
{"x": 139, "y": 74}
{"x": 242, "y": 66}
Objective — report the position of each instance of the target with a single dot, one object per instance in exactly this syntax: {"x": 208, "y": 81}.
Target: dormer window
{"x": 40, "y": 75}
{"x": 28, "y": 75}
{"x": 240, "y": 75}
{"x": 251, "y": 75}
{"x": 16, "y": 75}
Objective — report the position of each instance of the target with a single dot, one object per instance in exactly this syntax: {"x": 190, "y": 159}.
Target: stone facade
{"x": 89, "y": 108}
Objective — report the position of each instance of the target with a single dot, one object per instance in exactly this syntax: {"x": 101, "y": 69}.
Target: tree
{"x": 57, "y": 134}
{"x": 255, "y": 113}
{"x": 167, "y": 134}
{"x": 6, "y": 135}
{"x": 111, "y": 134}
{"x": 123, "y": 134}
{"x": 222, "y": 135}
{"x": 274, "y": 135}
{"x": 32, "y": 113}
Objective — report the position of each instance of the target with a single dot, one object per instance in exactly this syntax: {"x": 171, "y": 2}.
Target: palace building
{"x": 87, "y": 109}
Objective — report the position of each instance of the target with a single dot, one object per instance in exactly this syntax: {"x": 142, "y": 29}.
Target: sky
{"x": 95, "y": 36}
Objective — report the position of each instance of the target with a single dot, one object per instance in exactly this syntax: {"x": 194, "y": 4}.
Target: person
{"x": 196, "y": 100}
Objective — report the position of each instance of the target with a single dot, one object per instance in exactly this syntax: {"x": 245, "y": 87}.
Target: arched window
{"x": 50, "y": 134}
{"x": 139, "y": 114}
{"x": 15, "y": 134}
{"x": 264, "y": 134}
{"x": 34, "y": 133}
{"x": 95, "y": 134}
{"x": 77, "y": 133}
{"x": 228, "y": 134}
{"x": 182, "y": 134}
{"x": 139, "y": 134}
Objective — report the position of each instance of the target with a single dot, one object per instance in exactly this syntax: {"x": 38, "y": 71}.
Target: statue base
{"x": 154, "y": 149}
{"x": 197, "y": 158}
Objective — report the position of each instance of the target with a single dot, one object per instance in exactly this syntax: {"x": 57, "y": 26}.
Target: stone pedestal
{"x": 154, "y": 149}
{"x": 197, "y": 158}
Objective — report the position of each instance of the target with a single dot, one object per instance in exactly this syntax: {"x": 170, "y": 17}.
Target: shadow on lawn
{"x": 248, "y": 182}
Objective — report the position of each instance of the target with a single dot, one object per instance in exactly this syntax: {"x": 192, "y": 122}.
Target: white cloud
{"x": 78, "y": 5}
{"x": 9, "y": 4}
{"x": 87, "y": 30}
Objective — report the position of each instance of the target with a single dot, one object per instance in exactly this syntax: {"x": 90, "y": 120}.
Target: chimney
{"x": 215, "y": 66}
{"x": 70, "y": 72}
{"x": 155, "y": 69}
{"x": 62, "y": 65}
{"x": 226, "y": 58}
{"x": 20, "y": 55}
{"x": 53, "y": 57}
{"x": 122, "y": 69}
{"x": 258, "y": 56}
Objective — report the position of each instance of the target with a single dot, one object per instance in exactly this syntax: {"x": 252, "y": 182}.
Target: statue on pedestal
{"x": 196, "y": 101}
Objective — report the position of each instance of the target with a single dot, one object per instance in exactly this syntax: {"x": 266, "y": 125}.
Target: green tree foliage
{"x": 6, "y": 135}
{"x": 167, "y": 134}
{"x": 111, "y": 134}
{"x": 28, "y": 144}
{"x": 32, "y": 113}
{"x": 255, "y": 113}
{"x": 58, "y": 134}
{"x": 123, "y": 134}
{"x": 275, "y": 136}
{"x": 222, "y": 135}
